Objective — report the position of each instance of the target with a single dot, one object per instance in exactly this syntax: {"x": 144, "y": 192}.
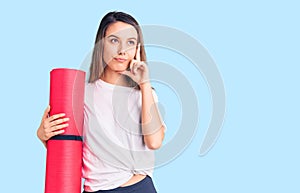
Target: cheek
{"x": 131, "y": 53}
{"x": 108, "y": 53}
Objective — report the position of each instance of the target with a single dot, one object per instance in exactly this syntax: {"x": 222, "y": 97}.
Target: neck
{"x": 113, "y": 77}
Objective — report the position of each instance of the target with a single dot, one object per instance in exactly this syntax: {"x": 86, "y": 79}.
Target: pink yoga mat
{"x": 64, "y": 152}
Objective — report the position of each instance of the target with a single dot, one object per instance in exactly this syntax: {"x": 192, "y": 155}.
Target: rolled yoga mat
{"x": 64, "y": 152}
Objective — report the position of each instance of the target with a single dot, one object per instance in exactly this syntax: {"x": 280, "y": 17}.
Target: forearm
{"x": 152, "y": 124}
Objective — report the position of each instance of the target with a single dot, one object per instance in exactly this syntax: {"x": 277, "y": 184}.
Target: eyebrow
{"x": 118, "y": 37}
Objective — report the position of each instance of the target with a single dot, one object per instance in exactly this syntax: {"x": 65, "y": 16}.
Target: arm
{"x": 152, "y": 125}
{"x": 51, "y": 126}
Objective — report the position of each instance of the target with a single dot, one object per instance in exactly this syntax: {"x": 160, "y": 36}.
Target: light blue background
{"x": 254, "y": 43}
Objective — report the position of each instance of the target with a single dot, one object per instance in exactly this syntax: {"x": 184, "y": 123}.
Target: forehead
{"x": 121, "y": 29}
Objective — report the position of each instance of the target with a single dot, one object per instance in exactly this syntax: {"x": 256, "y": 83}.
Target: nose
{"x": 122, "y": 49}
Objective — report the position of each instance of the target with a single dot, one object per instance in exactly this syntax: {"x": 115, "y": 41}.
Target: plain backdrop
{"x": 255, "y": 45}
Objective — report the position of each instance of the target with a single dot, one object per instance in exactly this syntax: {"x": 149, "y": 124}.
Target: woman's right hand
{"x": 51, "y": 125}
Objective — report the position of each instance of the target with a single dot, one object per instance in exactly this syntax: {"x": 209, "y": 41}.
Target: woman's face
{"x": 120, "y": 43}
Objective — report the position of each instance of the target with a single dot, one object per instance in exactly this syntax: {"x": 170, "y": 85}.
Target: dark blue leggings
{"x": 144, "y": 186}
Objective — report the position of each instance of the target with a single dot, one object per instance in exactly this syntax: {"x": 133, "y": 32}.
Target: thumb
{"x": 46, "y": 113}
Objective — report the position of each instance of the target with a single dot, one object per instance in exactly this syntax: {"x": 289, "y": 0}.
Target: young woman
{"x": 122, "y": 124}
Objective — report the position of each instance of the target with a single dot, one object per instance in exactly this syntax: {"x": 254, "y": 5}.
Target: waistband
{"x": 129, "y": 188}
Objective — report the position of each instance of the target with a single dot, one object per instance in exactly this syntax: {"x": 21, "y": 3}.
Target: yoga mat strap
{"x": 67, "y": 137}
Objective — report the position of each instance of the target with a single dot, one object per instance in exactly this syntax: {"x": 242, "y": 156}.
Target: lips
{"x": 120, "y": 59}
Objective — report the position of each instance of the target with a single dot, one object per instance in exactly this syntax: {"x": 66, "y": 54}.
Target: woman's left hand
{"x": 138, "y": 69}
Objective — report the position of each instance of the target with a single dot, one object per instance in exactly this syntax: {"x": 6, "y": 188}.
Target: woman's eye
{"x": 131, "y": 42}
{"x": 114, "y": 40}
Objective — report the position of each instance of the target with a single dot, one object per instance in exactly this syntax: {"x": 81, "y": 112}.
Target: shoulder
{"x": 88, "y": 91}
{"x": 89, "y": 87}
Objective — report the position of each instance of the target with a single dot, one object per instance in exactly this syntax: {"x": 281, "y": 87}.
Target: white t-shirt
{"x": 113, "y": 148}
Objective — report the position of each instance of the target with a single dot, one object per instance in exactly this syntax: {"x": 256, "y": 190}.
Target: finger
{"x": 46, "y": 112}
{"x": 138, "y": 53}
{"x": 143, "y": 66}
{"x": 58, "y": 121}
{"x": 127, "y": 73}
{"x": 57, "y": 127}
{"x": 137, "y": 67}
{"x": 58, "y": 132}
{"x": 131, "y": 64}
{"x": 133, "y": 69}
{"x": 56, "y": 116}
{"x": 51, "y": 134}
{"x": 139, "y": 64}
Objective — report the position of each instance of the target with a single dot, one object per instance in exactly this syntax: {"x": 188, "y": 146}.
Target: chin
{"x": 120, "y": 67}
